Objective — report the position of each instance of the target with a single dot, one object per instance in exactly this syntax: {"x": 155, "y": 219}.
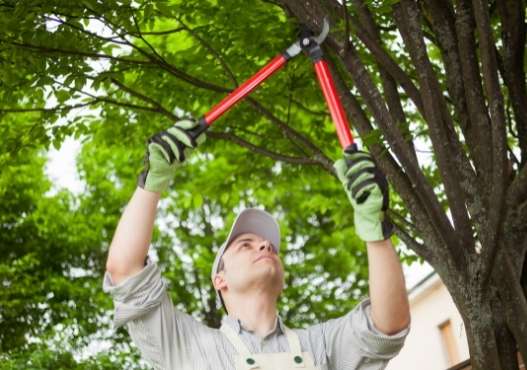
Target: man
{"x": 248, "y": 276}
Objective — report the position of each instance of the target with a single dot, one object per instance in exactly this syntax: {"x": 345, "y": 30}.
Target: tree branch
{"x": 50, "y": 50}
{"x": 517, "y": 191}
{"x": 155, "y": 33}
{"x": 412, "y": 193}
{"x": 155, "y": 57}
{"x": 418, "y": 248}
{"x": 91, "y": 34}
{"x": 371, "y": 95}
{"x": 254, "y": 148}
{"x": 444, "y": 139}
{"x": 152, "y": 62}
{"x": 396, "y": 216}
{"x": 477, "y": 110}
{"x": 383, "y": 59}
{"x": 308, "y": 110}
{"x": 155, "y": 54}
{"x": 389, "y": 87}
{"x": 323, "y": 160}
{"x": 104, "y": 99}
{"x": 207, "y": 45}
{"x": 156, "y": 60}
{"x": 62, "y": 108}
{"x": 512, "y": 15}
{"x": 442, "y": 23}
{"x": 498, "y": 127}
{"x": 373, "y": 99}
{"x": 160, "y": 108}
{"x": 294, "y": 136}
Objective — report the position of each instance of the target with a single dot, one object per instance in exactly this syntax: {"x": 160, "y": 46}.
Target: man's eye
{"x": 246, "y": 245}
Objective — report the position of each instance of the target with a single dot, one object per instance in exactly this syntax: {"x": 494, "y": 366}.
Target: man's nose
{"x": 266, "y": 245}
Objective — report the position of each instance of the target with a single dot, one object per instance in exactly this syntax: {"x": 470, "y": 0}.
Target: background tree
{"x": 61, "y": 240}
{"x": 437, "y": 76}
{"x": 51, "y": 243}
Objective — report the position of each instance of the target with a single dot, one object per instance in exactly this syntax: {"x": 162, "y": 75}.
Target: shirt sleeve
{"x": 353, "y": 342}
{"x": 162, "y": 333}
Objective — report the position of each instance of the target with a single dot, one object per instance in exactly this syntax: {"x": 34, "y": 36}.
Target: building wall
{"x": 426, "y": 346}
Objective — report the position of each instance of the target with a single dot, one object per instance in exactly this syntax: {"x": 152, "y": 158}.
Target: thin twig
{"x": 145, "y": 98}
{"x": 212, "y": 50}
{"x": 276, "y": 156}
{"x": 63, "y": 108}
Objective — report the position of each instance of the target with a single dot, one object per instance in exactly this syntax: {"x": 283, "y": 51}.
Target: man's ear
{"x": 219, "y": 281}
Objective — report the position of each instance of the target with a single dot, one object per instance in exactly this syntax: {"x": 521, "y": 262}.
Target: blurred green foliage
{"x": 56, "y": 56}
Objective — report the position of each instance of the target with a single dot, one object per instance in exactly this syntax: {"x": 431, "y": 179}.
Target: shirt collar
{"x": 237, "y": 325}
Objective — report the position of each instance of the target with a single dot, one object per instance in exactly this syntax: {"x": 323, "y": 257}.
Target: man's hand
{"x": 367, "y": 191}
{"x": 165, "y": 151}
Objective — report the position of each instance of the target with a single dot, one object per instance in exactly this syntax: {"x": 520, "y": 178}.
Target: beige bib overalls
{"x": 294, "y": 360}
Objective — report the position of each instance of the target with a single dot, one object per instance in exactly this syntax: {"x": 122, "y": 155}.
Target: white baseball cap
{"x": 250, "y": 220}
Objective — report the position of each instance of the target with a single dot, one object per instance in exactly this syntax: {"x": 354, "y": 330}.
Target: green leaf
{"x": 62, "y": 96}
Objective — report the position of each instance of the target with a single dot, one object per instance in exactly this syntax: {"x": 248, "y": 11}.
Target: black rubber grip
{"x": 351, "y": 149}
{"x": 199, "y": 129}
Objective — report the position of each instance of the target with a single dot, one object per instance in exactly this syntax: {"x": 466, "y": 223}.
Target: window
{"x": 449, "y": 342}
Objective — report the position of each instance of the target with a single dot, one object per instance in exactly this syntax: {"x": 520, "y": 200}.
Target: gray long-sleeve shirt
{"x": 169, "y": 338}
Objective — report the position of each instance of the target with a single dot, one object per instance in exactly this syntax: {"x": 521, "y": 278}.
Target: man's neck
{"x": 256, "y": 312}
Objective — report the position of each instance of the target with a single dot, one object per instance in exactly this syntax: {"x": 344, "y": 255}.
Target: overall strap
{"x": 249, "y": 361}
{"x": 294, "y": 348}
{"x": 234, "y": 338}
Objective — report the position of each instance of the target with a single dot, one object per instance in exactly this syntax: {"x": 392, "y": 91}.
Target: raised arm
{"x": 133, "y": 234}
{"x": 389, "y": 300}
{"x": 165, "y": 151}
{"x": 367, "y": 190}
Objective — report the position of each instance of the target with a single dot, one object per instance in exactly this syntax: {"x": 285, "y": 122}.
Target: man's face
{"x": 251, "y": 262}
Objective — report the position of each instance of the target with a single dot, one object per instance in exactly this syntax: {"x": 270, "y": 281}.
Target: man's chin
{"x": 269, "y": 275}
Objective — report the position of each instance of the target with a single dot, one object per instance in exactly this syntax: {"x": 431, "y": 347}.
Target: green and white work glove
{"x": 166, "y": 150}
{"x": 367, "y": 190}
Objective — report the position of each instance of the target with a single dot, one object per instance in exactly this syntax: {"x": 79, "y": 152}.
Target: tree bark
{"x": 512, "y": 15}
{"x": 495, "y": 317}
{"x": 488, "y": 285}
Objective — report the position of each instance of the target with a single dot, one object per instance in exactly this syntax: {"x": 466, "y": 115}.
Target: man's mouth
{"x": 264, "y": 257}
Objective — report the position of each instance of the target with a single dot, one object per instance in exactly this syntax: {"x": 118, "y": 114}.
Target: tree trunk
{"x": 488, "y": 204}
{"x": 494, "y": 315}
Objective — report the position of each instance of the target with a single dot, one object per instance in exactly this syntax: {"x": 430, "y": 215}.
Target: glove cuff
{"x": 372, "y": 228}
{"x": 141, "y": 179}
{"x": 387, "y": 227}
{"x": 155, "y": 184}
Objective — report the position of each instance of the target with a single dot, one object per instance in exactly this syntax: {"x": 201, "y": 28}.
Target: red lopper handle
{"x": 335, "y": 106}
